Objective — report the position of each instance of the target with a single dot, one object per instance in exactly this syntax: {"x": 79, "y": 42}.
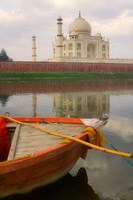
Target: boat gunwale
{"x": 48, "y": 119}
{"x": 9, "y": 164}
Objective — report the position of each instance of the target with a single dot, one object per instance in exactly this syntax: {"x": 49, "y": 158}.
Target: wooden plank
{"x": 14, "y": 143}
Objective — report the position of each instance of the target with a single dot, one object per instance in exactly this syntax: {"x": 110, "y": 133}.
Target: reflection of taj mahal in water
{"x": 71, "y": 99}
{"x": 81, "y": 104}
{"x": 70, "y": 104}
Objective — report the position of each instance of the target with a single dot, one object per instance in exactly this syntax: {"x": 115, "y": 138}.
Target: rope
{"x": 126, "y": 159}
{"x": 71, "y": 138}
{"x": 95, "y": 136}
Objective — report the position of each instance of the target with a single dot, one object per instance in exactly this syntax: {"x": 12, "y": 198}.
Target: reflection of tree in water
{"x": 68, "y": 188}
{"x": 4, "y": 99}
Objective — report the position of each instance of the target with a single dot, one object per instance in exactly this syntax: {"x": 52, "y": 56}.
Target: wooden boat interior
{"x": 26, "y": 140}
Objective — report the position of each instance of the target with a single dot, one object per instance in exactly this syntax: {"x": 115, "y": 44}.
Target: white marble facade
{"x": 79, "y": 44}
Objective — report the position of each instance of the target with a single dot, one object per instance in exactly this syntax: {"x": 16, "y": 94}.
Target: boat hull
{"x": 42, "y": 168}
{"x": 42, "y": 164}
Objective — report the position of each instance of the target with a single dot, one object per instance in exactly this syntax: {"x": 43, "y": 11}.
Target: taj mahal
{"x": 80, "y": 43}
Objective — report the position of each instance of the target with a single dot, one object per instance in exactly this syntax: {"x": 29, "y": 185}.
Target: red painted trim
{"x": 49, "y": 119}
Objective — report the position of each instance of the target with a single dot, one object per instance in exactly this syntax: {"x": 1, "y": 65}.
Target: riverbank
{"x": 28, "y": 76}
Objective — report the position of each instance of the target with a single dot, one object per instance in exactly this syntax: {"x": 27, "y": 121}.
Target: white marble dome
{"x": 81, "y": 26}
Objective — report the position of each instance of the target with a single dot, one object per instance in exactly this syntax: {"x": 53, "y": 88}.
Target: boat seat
{"x": 14, "y": 143}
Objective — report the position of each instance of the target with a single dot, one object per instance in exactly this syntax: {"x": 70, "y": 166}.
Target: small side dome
{"x": 74, "y": 33}
{"x": 98, "y": 34}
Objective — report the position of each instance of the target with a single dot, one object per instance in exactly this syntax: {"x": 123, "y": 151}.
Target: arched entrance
{"x": 91, "y": 50}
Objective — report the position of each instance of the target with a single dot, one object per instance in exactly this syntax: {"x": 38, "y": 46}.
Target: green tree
{"x": 4, "y": 56}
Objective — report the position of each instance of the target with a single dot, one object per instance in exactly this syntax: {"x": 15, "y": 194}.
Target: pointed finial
{"x": 79, "y": 13}
{"x": 59, "y": 18}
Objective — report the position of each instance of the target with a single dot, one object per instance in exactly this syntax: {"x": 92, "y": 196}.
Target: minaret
{"x": 59, "y": 39}
{"x": 34, "y": 48}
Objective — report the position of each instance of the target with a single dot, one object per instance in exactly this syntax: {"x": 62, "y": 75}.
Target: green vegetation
{"x": 4, "y": 57}
{"x": 84, "y": 76}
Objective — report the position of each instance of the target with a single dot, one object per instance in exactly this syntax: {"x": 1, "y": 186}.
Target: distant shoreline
{"x": 77, "y": 76}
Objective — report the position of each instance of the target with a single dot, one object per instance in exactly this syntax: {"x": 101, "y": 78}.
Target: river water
{"x": 101, "y": 176}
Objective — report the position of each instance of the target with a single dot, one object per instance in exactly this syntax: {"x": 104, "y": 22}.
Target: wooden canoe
{"x": 36, "y": 158}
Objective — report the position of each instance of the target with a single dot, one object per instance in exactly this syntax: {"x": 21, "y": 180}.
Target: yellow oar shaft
{"x": 71, "y": 138}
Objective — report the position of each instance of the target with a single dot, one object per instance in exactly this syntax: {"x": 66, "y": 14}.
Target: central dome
{"x": 81, "y": 26}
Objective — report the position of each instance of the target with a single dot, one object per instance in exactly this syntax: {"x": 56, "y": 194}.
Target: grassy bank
{"x": 28, "y": 76}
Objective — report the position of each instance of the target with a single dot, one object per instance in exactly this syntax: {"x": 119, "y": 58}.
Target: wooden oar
{"x": 119, "y": 153}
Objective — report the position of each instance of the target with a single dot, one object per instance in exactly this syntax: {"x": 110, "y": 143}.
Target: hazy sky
{"x": 21, "y": 19}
